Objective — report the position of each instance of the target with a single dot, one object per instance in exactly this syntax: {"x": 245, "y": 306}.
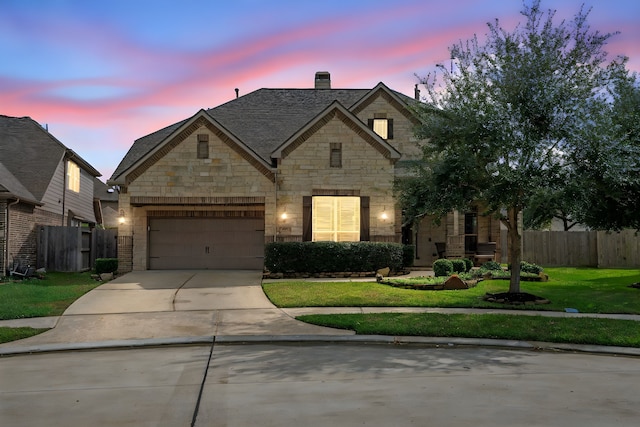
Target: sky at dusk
{"x": 101, "y": 74}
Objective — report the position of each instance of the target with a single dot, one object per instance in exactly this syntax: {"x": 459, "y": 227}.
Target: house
{"x": 272, "y": 165}
{"x": 105, "y": 205}
{"x": 42, "y": 182}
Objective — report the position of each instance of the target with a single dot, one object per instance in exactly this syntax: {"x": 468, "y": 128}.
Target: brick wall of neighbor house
{"x": 180, "y": 173}
{"x": 3, "y": 239}
{"x": 22, "y": 234}
{"x": 43, "y": 217}
{"x": 364, "y": 172}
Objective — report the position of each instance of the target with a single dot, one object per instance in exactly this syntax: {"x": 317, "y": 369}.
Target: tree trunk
{"x": 515, "y": 249}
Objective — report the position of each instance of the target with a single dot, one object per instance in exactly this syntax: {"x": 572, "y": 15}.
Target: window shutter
{"x": 390, "y": 129}
{"x": 306, "y": 218}
{"x": 370, "y": 123}
{"x": 364, "y": 219}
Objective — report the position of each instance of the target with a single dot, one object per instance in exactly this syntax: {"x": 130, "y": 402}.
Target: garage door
{"x": 206, "y": 243}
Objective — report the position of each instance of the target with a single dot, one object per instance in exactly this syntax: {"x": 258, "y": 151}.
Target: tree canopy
{"x": 508, "y": 122}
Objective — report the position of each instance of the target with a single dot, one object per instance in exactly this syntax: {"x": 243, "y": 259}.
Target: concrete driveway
{"x": 170, "y": 304}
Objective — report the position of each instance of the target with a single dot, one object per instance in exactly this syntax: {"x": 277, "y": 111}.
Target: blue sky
{"x": 102, "y": 74}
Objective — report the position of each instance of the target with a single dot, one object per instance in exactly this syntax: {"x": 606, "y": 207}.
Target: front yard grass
{"x": 43, "y": 297}
{"x": 588, "y": 290}
{"x": 585, "y": 289}
{"x": 610, "y": 332}
{"x": 39, "y": 298}
{"x": 13, "y": 334}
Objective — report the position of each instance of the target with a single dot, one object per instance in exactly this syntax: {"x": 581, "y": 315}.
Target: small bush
{"x": 468, "y": 264}
{"x": 491, "y": 266}
{"x": 459, "y": 266}
{"x": 442, "y": 267}
{"x": 408, "y": 255}
{"x": 526, "y": 267}
{"x": 106, "y": 265}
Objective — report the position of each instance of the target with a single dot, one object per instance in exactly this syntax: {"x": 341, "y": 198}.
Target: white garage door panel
{"x": 206, "y": 243}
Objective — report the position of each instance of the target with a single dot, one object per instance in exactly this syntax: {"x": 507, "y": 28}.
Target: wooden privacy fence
{"x": 582, "y": 248}
{"x": 74, "y": 248}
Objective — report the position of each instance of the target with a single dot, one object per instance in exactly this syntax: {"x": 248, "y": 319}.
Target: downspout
{"x": 64, "y": 187}
{"x": 6, "y": 240}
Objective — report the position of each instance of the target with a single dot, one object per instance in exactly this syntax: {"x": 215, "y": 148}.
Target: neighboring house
{"x": 42, "y": 182}
{"x": 274, "y": 165}
{"x": 105, "y": 204}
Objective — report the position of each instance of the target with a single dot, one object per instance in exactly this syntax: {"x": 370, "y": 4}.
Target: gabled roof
{"x": 11, "y": 188}
{"x": 103, "y": 192}
{"x": 336, "y": 110}
{"x": 264, "y": 119}
{"x": 31, "y": 155}
{"x": 169, "y": 137}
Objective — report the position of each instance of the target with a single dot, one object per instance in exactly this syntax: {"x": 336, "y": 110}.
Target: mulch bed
{"x": 515, "y": 298}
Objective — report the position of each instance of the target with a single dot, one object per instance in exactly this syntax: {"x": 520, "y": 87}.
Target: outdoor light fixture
{"x": 283, "y": 216}
{"x": 384, "y": 215}
{"x": 121, "y": 217}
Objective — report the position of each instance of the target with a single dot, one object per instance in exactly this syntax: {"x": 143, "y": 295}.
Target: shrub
{"x": 530, "y": 268}
{"x": 459, "y": 266}
{"x": 442, "y": 267}
{"x": 319, "y": 257}
{"x": 491, "y": 266}
{"x": 106, "y": 265}
{"x": 468, "y": 264}
{"x": 408, "y": 255}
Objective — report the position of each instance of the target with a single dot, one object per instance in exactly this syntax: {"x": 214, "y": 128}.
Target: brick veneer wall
{"x": 3, "y": 238}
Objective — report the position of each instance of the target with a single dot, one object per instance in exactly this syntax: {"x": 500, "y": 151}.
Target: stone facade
{"x": 277, "y": 168}
{"x": 306, "y": 171}
{"x": 180, "y": 184}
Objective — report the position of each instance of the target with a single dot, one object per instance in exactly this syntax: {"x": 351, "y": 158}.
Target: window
{"x": 382, "y": 126}
{"x": 203, "y": 146}
{"x": 336, "y": 219}
{"x": 335, "y": 157}
{"x": 73, "y": 176}
{"x": 470, "y": 232}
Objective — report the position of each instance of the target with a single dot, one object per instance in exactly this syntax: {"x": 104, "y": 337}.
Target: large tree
{"x": 507, "y": 119}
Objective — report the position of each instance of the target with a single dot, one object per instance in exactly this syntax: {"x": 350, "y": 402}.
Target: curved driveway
{"x": 168, "y": 304}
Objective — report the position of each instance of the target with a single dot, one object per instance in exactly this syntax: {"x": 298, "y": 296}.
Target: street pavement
{"x": 207, "y": 348}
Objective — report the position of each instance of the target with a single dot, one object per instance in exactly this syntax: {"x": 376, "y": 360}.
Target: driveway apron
{"x": 182, "y": 303}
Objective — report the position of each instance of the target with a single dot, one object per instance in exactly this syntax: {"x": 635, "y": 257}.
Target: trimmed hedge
{"x": 325, "y": 257}
{"x": 442, "y": 267}
{"x": 459, "y": 266}
{"x": 106, "y": 265}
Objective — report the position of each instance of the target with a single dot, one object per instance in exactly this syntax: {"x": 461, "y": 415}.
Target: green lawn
{"x": 43, "y": 297}
{"x": 585, "y": 289}
{"x": 13, "y": 334}
{"x": 38, "y": 298}
{"x": 611, "y": 332}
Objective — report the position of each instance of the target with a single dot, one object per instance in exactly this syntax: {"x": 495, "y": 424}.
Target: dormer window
{"x": 382, "y": 126}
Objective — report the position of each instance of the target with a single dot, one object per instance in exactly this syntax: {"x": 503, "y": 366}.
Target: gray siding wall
{"x": 80, "y": 203}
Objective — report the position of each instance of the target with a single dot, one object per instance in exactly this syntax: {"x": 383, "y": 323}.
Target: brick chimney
{"x": 323, "y": 80}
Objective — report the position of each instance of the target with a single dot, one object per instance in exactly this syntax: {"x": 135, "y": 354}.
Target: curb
{"x": 436, "y": 342}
